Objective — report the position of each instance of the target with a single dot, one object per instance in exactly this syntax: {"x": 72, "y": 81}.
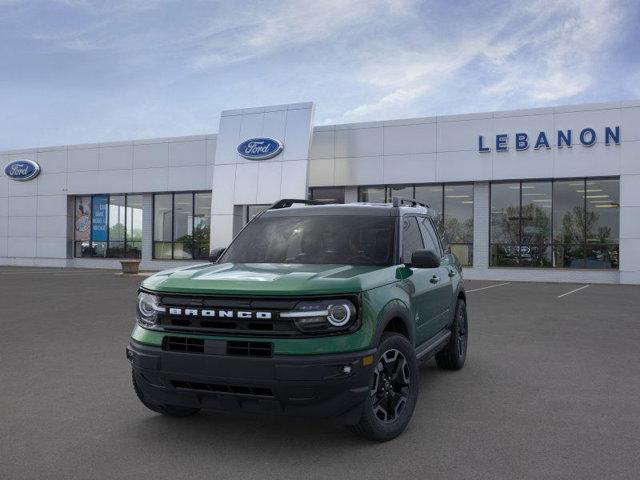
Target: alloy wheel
{"x": 462, "y": 332}
{"x": 391, "y": 384}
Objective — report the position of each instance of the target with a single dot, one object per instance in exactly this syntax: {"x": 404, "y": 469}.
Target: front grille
{"x": 183, "y": 344}
{"x": 219, "y": 388}
{"x": 273, "y": 326}
{"x": 250, "y": 349}
{"x": 183, "y": 314}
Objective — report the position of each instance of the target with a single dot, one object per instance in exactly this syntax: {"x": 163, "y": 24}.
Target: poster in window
{"x": 99, "y": 218}
{"x": 83, "y": 219}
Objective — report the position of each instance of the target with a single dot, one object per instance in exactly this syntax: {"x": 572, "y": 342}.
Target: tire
{"x": 452, "y": 357}
{"x": 394, "y": 386}
{"x": 169, "y": 410}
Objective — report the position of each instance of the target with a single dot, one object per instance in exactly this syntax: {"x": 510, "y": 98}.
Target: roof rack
{"x": 287, "y": 202}
{"x": 400, "y": 201}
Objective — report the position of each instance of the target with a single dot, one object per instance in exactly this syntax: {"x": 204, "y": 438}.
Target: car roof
{"x": 356, "y": 209}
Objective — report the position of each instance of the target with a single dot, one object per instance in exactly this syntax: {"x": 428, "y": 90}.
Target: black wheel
{"x": 170, "y": 410}
{"x": 393, "y": 390}
{"x": 452, "y": 356}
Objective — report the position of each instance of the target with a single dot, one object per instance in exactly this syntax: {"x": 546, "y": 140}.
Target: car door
{"x": 442, "y": 281}
{"x": 419, "y": 284}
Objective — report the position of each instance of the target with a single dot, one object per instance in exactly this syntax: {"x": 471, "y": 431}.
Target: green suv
{"x": 313, "y": 310}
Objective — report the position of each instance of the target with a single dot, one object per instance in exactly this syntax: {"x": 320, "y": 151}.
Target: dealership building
{"x": 547, "y": 194}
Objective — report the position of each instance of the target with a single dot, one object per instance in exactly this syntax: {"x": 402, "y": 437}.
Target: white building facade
{"x": 549, "y": 194}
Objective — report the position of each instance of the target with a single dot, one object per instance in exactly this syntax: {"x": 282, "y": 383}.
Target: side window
{"x": 411, "y": 238}
{"x": 438, "y": 227}
{"x": 430, "y": 239}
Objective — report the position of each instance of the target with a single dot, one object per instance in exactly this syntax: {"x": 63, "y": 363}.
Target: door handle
{"x": 435, "y": 279}
{"x": 452, "y": 273}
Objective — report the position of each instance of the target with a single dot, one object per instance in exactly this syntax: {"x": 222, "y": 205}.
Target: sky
{"x": 80, "y": 71}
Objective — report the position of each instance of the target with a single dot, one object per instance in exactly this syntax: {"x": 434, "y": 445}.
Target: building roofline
{"x": 568, "y": 108}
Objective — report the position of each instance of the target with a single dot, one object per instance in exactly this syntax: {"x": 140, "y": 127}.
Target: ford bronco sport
{"x": 313, "y": 310}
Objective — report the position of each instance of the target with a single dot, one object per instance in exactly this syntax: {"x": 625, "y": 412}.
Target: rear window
{"x": 321, "y": 239}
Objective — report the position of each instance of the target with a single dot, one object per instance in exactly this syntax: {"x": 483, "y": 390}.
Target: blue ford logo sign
{"x": 260, "y": 148}
{"x": 22, "y": 170}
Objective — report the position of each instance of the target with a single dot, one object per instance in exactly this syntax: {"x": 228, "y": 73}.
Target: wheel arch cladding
{"x": 395, "y": 317}
{"x": 461, "y": 295}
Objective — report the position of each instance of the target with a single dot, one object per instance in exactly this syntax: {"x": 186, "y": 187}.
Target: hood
{"x": 270, "y": 279}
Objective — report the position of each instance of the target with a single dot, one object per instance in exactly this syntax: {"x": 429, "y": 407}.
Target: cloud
{"x": 120, "y": 69}
{"x": 541, "y": 53}
{"x": 552, "y": 61}
{"x": 406, "y": 76}
{"x": 397, "y": 98}
{"x": 289, "y": 23}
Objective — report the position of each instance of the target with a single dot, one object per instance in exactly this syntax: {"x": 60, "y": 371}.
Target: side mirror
{"x": 215, "y": 254}
{"x": 425, "y": 259}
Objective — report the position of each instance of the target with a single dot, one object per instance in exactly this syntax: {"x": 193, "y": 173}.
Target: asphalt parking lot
{"x": 551, "y": 390}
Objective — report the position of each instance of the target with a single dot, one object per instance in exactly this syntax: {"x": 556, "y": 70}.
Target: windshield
{"x": 319, "y": 239}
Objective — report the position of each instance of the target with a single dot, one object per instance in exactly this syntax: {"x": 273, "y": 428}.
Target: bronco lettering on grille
{"x": 241, "y": 314}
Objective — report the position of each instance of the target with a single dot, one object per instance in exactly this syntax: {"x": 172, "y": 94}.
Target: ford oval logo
{"x": 22, "y": 170}
{"x": 260, "y": 148}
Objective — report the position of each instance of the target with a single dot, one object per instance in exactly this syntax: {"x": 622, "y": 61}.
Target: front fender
{"x": 395, "y": 309}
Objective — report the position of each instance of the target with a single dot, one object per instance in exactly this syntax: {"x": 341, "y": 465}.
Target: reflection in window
{"x": 505, "y": 224}
{"x": 603, "y": 223}
{"x": 568, "y": 223}
{"x": 452, "y": 205}
{"x": 458, "y": 220}
{"x": 432, "y": 196}
{"x": 162, "y": 225}
{"x": 117, "y": 219}
{"x": 182, "y": 224}
{"x": 521, "y": 224}
{"x": 327, "y": 194}
{"x": 404, "y": 191}
{"x": 565, "y": 224}
{"x": 372, "y": 194}
{"x": 253, "y": 210}
{"x": 201, "y": 224}
{"x": 411, "y": 238}
{"x": 134, "y": 226}
{"x": 535, "y": 230}
{"x": 108, "y": 226}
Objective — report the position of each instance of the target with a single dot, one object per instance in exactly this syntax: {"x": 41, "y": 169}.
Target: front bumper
{"x": 327, "y": 386}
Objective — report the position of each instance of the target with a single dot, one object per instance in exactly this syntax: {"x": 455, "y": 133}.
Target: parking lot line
{"x": 573, "y": 291}
{"x": 488, "y": 286}
{"x": 53, "y": 272}
{"x": 112, "y": 272}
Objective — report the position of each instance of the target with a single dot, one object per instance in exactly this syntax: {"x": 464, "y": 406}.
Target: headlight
{"x": 323, "y": 316}
{"x": 147, "y": 309}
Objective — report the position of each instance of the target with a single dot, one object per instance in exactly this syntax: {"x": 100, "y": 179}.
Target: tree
{"x": 199, "y": 238}
{"x": 116, "y": 232}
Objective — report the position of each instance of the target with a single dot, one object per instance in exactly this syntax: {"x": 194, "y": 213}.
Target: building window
{"x": 327, "y": 194}
{"x": 252, "y": 210}
{"x": 181, "y": 225}
{"x": 372, "y": 194}
{"x": 108, "y": 226}
{"x": 452, "y": 205}
{"x": 457, "y": 218}
{"x": 563, "y": 224}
